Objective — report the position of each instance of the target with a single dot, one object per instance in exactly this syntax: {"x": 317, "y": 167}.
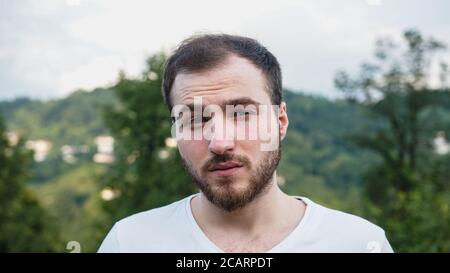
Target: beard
{"x": 221, "y": 191}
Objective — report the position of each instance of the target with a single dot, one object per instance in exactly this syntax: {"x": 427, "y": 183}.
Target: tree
{"x": 396, "y": 89}
{"x": 147, "y": 172}
{"x": 24, "y": 225}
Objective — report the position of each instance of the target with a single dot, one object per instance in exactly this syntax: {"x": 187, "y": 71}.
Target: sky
{"x": 49, "y": 48}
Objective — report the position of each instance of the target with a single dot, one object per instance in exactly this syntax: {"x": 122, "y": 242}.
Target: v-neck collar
{"x": 211, "y": 246}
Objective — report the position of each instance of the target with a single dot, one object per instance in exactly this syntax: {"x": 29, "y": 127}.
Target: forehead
{"x": 237, "y": 77}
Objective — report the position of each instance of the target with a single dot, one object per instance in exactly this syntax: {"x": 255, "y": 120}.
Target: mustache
{"x": 216, "y": 159}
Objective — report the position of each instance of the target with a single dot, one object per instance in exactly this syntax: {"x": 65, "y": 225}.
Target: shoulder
{"x": 346, "y": 229}
{"x": 154, "y": 218}
{"x": 147, "y": 231}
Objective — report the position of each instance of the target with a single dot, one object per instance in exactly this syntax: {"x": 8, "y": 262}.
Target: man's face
{"x": 230, "y": 170}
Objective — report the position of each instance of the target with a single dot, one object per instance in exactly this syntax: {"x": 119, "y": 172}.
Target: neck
{"x": 268, "y": 210}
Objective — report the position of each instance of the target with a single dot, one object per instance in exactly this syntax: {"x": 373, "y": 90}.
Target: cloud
{"x": 49, "y": 48}
{"x": 97, "y": 72}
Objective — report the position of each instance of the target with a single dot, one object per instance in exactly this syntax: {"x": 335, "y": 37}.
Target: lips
{"x": 226, "y": 168}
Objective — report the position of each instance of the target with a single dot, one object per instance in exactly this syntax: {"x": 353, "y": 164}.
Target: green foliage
{"x": 74, "y": 199}
{"x": 24, "y": 225}
{"x": 317, "y": 161}
{"x": 316, "y": 144}
{"x": 399, "y": 183}
{"x": 407, "y": 193}
{"x": 73, "y": 120}
{"x": 140, "y": 125}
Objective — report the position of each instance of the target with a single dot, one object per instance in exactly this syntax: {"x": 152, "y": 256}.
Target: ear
{"x": 283, "y": 120}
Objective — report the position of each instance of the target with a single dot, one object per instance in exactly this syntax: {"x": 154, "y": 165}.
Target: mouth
{"x": 226, "y": 168}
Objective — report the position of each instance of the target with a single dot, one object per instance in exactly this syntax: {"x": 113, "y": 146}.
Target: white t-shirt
{"x": 172, "y": 228}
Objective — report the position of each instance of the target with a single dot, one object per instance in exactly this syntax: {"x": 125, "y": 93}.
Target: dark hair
{"x": 202, "y": 52}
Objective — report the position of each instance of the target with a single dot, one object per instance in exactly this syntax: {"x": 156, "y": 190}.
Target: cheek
{"x": 247, "y": 130}
{"x": 251, "y": 149}
{"x": 192, "y": 150}
{"x": 258, "y": 129}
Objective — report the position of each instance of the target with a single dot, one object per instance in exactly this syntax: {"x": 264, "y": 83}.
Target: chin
{"x": 232, "y": 189}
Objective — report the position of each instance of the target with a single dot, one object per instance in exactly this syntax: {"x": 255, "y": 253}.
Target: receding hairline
{"x": 222, "y": 64}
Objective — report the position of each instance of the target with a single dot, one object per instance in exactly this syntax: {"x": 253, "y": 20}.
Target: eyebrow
{"x": 236, "y": 101}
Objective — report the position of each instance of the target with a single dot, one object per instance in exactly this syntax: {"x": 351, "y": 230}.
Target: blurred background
{"x": 85, "y": 136}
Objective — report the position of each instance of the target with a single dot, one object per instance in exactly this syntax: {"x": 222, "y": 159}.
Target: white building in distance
{"x": 441, "y": 146}
{"x": 105, "y": 149}
{"x": 41, "y": 148}
{"x": 13, "y": 138}
{"x": 69, "y": 152}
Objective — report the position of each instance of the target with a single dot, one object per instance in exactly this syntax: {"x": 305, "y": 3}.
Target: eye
{"x": 196, "y": 120}
{"x": 241, "y": 113}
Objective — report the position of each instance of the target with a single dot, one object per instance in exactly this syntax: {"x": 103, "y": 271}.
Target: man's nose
{"x": 222, "y": 138}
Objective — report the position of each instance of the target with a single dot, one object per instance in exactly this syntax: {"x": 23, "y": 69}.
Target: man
{"x": 225, "y": 95}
